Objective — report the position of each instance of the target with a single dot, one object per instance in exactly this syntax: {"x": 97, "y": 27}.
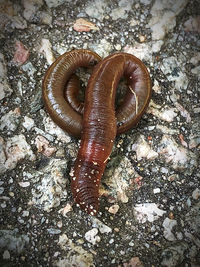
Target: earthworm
{"x": 100, "y": 121}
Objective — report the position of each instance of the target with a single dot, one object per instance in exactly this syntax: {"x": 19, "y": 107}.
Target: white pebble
{"x": 6, "y": 255}
{"x": 92, "y": 237}
{"x": 24, "y": 184}
{"x": 156, "y": 190}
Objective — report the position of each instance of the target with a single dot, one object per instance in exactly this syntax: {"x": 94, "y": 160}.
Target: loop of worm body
{"x": 99, "y": 123}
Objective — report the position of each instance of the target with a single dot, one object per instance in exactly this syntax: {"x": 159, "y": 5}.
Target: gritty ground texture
{"x": 150, "y": 192}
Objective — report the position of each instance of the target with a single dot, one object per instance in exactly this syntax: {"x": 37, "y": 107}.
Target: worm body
{"x": 54, "y": 84}
{"x": 100, "y": 121}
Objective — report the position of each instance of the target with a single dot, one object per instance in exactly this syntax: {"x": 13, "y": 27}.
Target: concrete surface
{"x": 150, "y": 192}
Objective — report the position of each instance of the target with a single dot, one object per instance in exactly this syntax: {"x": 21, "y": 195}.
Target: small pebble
{"x": 6, "y": 255}
{"x": 113, "y": 209}
{"x": 196, "y": 194}
{"x": 156, "y": 190}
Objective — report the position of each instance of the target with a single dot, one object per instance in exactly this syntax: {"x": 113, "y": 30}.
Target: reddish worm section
{"x": 100, "y": 122}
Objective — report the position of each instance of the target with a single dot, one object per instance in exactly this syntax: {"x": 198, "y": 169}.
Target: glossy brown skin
{"x": 54, "y": 84}
{"x": 100, "y": 120}
{"x": 71, "y": 92}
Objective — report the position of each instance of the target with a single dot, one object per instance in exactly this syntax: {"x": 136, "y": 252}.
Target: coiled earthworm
{"x": 100, "y": 121}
